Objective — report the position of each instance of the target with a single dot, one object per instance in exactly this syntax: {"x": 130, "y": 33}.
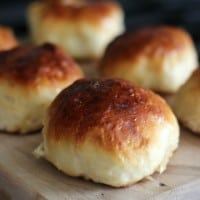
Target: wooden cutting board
{"x": 24, "y": 177}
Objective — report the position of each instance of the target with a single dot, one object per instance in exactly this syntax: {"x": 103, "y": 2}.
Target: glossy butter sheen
{"x": 148, "y": 41}
{"x": 119, "y": 109}
{"x": 28, "y": 65}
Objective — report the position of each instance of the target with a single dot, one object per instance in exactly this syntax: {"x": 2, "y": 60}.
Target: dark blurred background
{"x": 184, "y": 13}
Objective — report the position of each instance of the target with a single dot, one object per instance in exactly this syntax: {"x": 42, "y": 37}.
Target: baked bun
{"x": 30, "y": 78}
{"x": 186, "y": 103}
{"x": 159, "y": 58}
{"x": 7, "y": 39}
{"x": 109, "y": 131}
{"x": 82, "y": 28}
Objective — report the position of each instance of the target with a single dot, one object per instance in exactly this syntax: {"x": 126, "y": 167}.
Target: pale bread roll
{"x": 82, "y": 28}
{"x": 186, "y": 103}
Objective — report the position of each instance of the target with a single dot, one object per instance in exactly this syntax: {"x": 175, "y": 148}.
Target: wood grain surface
{"x": 22, "y": 176}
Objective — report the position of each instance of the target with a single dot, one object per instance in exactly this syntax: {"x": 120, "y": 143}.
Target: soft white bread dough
{"x": 186, "y": 103}
{"x": 7, "y": 39}
{"x": 109, "y": 131}
{"x": 30, "y": 78}
{"x": 160, "y": 58}
{"x": 82, "y": 28}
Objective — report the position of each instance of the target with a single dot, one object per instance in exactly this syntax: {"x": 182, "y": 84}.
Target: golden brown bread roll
{"x": 160, "y": 58}
{"x": 109, "y": 131}
{"x": 82, "y": 28}
{"x": 30, "y": 78}
{"x": 7, "y": 39}
{"x": 186, "y": 105}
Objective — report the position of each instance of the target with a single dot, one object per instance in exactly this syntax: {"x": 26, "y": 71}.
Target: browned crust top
{"x": 112, "y": 113}
{"x": 28, "y": 65}
{"x": 146, "y": 42}
{"x": 91, "y": 11}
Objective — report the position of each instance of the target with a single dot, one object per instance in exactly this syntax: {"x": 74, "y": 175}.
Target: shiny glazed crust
{"x": 110, "y": 104}
{"x": 32, "y": 66}
{"x": 109, "y": 131}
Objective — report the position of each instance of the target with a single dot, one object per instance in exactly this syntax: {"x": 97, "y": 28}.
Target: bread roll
{"x": 109, "y": 131}
{"x": 30, "y": 78}
{"x": 186, "y": 103}
{"x": 160, "y": 58}
{"x": 82, "y": 28}
{"x": 7, "y": 39}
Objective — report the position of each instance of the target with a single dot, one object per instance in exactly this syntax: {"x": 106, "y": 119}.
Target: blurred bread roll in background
{"x": 160, "y": 58}
{"x": 109, "y": 131}
{"x": 82, "y": 28}
{"x": 186, "y": 103}
{"x": 30, "y": 78}
{"x": 7, "y": 38}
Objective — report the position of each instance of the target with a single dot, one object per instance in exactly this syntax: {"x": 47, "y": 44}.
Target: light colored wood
{"x": 24, "y": 177}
